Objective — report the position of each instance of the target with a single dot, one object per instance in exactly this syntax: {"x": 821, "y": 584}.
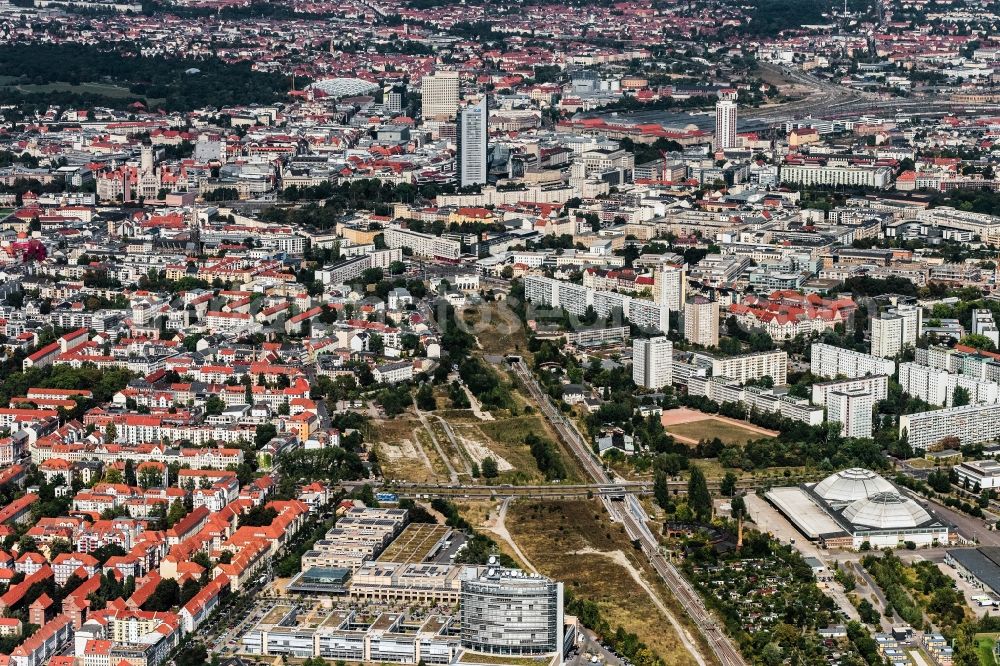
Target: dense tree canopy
{"x": 179, "y": 84}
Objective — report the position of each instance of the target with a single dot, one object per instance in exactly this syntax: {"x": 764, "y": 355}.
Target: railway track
{"x": 626, "y": 509}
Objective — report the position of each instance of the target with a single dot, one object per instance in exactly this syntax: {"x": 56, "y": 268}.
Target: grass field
{"x": 986, "y": 657}
{"x": 710, "y": 428}
{"x": 108, "y": 90}
{"x": 510, "y": 433}
{"x": 105, "y": 89}
{"x": 86, "y": 88}
{"x": 552, "y": 534}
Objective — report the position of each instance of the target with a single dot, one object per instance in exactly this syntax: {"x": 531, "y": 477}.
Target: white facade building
{"x": 877, "y": 385}
{"x": 830, "y": 361}
{"x": 753, "y": 366}
{"x": 814, "y": 174}
{"x": 970, "y": 424}
{"x": 439, "y": 95}
{"x": 852, "y": 409}
{"x": 895, "y": 329}
{"x": 575, "y": 299}
{"x": 472, "y": 144}
{"x": 701, "y": 321}
{"x": 652, "y": 362}
{"x": 983, "y": 324}
{"x": 422, "y": 245}
{"x": 937, "y": 387}
{"x": 725, "y": 119}
{"x": 978, "y": 473}
{"x": 670, "y": 285}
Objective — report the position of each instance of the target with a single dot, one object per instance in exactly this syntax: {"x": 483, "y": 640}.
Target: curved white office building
{"x": 510, "y": 612}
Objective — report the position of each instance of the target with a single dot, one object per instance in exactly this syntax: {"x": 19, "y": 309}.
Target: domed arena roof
{"x": 885, "y": 511}
{"x": 345, "y": 87}
{"x": 852, "y": 484}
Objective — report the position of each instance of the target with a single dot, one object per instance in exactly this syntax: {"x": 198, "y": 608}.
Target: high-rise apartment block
{"x": 394, "y": 100}
{"x": 725, "y": 119}
{"x": 895, "y": 329}
{"x": 968, "y": 424}
{"x": 852, "y": 409}
{"x": 670, "y": 285}
{"x": 701, "y": 321}
{"x": 829, "y": 361}
{"x": 652, "y": 362}
{"x": 748, "y": 367}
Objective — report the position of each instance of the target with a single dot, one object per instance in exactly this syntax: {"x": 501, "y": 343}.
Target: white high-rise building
{"x": 652, "y": 362}
{"x": 394, "y": 101}
{"x": 725, "y": 119}
{"x": 670, "y": 285}
{"x": 472, "y": 144}
{"x": 983, "y": 324}
{"x": 439, "y": 95}
{"x": 852, "y": 409}
{"x": 877, "y": 385}
{"x": 895, "y": 329}
{"x": 701, "y": 321}
{"x": 937, "y": 387}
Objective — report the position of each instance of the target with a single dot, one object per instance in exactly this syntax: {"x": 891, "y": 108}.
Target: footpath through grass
{"x": 572, "y": 541}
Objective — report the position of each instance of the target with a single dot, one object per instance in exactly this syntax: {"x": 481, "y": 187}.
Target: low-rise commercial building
{"x": 979, "y": 474}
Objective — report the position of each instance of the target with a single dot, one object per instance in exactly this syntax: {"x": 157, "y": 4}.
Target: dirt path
{"x": 618, "y": 557}
{"x": 499, "y": 528}
{"x": 475, "y": 406}
{"x": 452, "y": 474}
{"x": 421, "y": 453}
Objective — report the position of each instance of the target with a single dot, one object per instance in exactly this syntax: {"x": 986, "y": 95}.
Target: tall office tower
{"x": 652, "y": 362}
{"x": 701, "y": 321}
{"x": 725, "y": 119}
{"x": 439, "y": 92}
{"x": 670, "y": 285}
{"x": 472, "y": 144}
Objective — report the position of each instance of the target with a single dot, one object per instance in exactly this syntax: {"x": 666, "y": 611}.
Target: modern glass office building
{"x": 510, "y": 612}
